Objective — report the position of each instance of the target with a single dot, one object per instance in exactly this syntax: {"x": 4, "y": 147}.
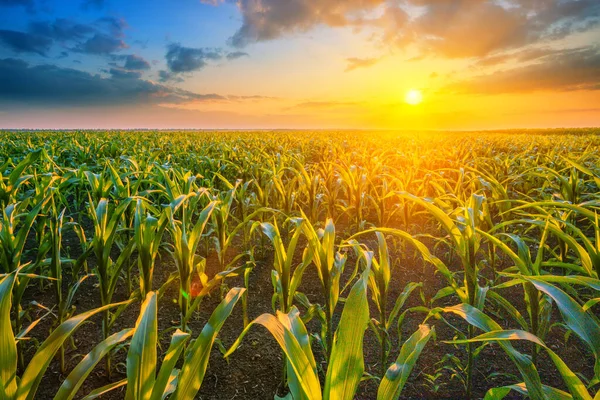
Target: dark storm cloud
{"x": 570, "y": 69}
{"x": 22, "y": 42}
{"x": 186, "y": 59}
{"x": 101, "y": 44}
{"x": 21, "y": 83}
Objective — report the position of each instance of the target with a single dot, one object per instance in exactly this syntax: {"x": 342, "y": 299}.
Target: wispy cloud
{"x": 355, "y": 63}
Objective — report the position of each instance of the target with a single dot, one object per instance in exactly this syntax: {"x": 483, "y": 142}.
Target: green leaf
{"x": 8, "y": 345}
{"x": 293, "y": 322}
{"x": 478, "y": 319}
{"x": 141, "y": 357}
{"x": 196, "y": 361}
{"x": 346, "y": 365}
{"x": 549, "y": 392}
{"x": 178, "y": 341}
{"x": 105, "y": 389}
{"x": 582, "y": 323}
{"x": 73, "y": 382}
{"x": 39, "y": 362}
{"x": 395, "y": 377}
{"x": 308, "y": 381}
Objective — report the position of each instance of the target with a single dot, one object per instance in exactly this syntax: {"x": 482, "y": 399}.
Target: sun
{"x": 413, "y": 97}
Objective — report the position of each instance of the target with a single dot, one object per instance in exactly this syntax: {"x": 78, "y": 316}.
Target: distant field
{"x": 360, "y": 264}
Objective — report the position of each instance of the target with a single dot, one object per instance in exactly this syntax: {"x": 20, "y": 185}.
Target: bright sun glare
{"x": 413, "y": 97}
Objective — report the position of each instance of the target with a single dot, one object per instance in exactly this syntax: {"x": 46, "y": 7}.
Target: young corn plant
{"x": 539, "y": 306}
{"x": 330, "y": 265}
{"x": 25, "y": 387}
{"x": 286, "y": 279}
{"x": 148, "y": 238}
{"x": 56, "y": 273}
{"x": 465, "y": 240}
{"x": 379, "y": 282}
{"x": 15, "y": 226}
{"x": 531, "y": 386}
{"x": 587, "y": 260}
{"x": 346, "y": 364}
{"x": 221, "y": 217}
{"x": 309, "y": 184}
{"x": 106, "y": 228}
{"x": 355, "y": 187}
{"x": 10, "y": 184}
{"x": 186, "y": 236}
{"x": 143, "y": 382}
{"x": 331, "y": 184}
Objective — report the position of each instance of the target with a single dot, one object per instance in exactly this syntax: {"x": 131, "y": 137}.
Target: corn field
{"x": 299, "y": 265}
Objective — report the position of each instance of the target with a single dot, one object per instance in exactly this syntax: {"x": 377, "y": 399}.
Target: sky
{"x": 299, "y": 64}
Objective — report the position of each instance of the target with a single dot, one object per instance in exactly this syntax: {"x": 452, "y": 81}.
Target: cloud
{"x": 21, "y": 83}
{"x": 237, "y": 54}
{"x": 114, "y": 26}
{"x": 118, "y": 73}
{"x": 104, "y": 36}
{"x": 101, "y": 44}
{"x": 133, "y": 62}
{"x": 61, "y": 29}
{"x": 446, "y": 28}
{"x": 354, "y": 63}
{"x": 270, "y": 19}
{"x": 186, "y": 59}
{"x": 569, "y": 69}
{"x": 22, "y": 42}
{"x": 166, "y": 76}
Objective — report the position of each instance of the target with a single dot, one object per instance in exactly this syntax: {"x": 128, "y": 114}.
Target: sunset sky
{"x": 299, "y": 63}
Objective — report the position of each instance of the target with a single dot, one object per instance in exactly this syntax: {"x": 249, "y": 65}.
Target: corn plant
{"x": 330, "y": 265}
{"x": 221, "y": 217}
{"x": 465, "y": 239}
{"x": 531, "y": 385}
{"x": 15, "y": 226}
{"x": 379, "y": 281}
{"x": 10, "y": 185}
{"x": 186, "y": 236}
{"x": 106, "y": 228}
{"x": 346, "y": 364}
{"x": 143, "y": 381}
{"x": 25, "y": 386}
{"x": 148, "y": 238}
{"x": 354, "y": 183}
{"x": 285, "y": 278}
{"x": 309, "y": 184}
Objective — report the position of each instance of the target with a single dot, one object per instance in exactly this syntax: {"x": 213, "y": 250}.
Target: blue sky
{"x": 148, "y": 27}
{"x": 299, "y": 63}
